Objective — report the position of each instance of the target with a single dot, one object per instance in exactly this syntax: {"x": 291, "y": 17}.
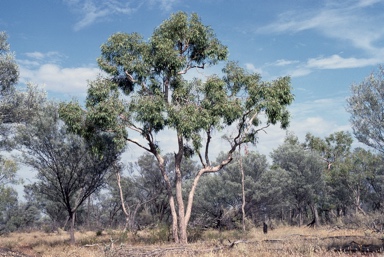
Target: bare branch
{"x": 138, "y": 144}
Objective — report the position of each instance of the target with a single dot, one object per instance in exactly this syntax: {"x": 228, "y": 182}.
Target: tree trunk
{"x": 179, "y": 192}
{"x": 315, "y": 216}
{"x": 125, "y": 210}
{"x": 300, "y": 216}
{"x": 242, "y": 189}
{"x": 89, "y": 213}
{"x": 180, "y": 213}
{"x": 72, "y": 228}
{"x": 171, "y": 199}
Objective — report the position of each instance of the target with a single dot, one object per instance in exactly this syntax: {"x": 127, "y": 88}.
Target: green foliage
{"x": 9, "y": 72}
{"x": 366, "y": 106}
{"x": 68, "y": 171}
{"x": 8, "y": 169}
{"x": 105, "y": 115}
{"x": 219, "y": 197}
{"x": 352, "y": 181}
{"x": 151, "y": 70}
{"x": 333, "y": 149}
{"x": 160, "y": 234}
{"x": 306, "y": 184}
{"x": 8, "y": 209}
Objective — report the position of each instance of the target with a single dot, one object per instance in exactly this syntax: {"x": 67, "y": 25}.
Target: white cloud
{"x": 41, "y": 56}
{"x": 283, "y": 62}
{"x": 92, "y": 11}
{"x": 72, "y": 81}
{"x": 365, "y": 3}
{"x": 299, "y": 72}
{"x": 252, "y": 68}
{"x": 165, "y": 5}
{"x": 38, "y": 58}
{"x": 337, "y": 62}
{"x": 349, "y": 22}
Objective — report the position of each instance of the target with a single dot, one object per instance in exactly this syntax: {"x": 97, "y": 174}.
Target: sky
{"x": 325, "y": 46}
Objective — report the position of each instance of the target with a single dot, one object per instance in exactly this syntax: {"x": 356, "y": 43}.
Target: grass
{"x": 284, "y": 241}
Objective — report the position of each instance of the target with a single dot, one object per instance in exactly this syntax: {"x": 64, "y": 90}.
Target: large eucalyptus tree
{"x": 147, "y": 94}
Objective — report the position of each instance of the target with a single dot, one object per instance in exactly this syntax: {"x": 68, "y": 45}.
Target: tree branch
{"x": 138, "y": 144}
{"x": 190, "y": 67}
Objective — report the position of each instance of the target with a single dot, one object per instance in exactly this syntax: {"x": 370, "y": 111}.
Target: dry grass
{"x": 284, "y": 241}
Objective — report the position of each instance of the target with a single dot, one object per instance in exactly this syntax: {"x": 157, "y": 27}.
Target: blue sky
{"x": 325, "y": 46}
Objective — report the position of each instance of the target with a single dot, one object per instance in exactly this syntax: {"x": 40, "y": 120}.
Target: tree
{"x": 305, "y": 169}
{"x": 8, "y": 208}
{"x": 15, "y": 106}
{"x": 8, "y": 195}
{"x": 354, "y": 176}
{"x": 366, "y": 106}
{"x": 9, "y": 72}
{"x": 54, "y": 212}
{"x": 333, "y": 149}
{"x": 220, "y": 198}
{"x": 160, "y": 100}
{"x": 68, "y": 169}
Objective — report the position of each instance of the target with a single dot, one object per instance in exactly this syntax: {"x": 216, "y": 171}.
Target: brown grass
{"x": 284, "y": 241}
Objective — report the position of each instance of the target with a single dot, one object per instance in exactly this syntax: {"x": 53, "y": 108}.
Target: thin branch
{"x": 138, "y": 144}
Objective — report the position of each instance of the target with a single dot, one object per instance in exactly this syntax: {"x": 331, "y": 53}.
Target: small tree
{"x": 159, "y": 100}
{"x": 68, "y": 169}
{"x": 366, "y": 106}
